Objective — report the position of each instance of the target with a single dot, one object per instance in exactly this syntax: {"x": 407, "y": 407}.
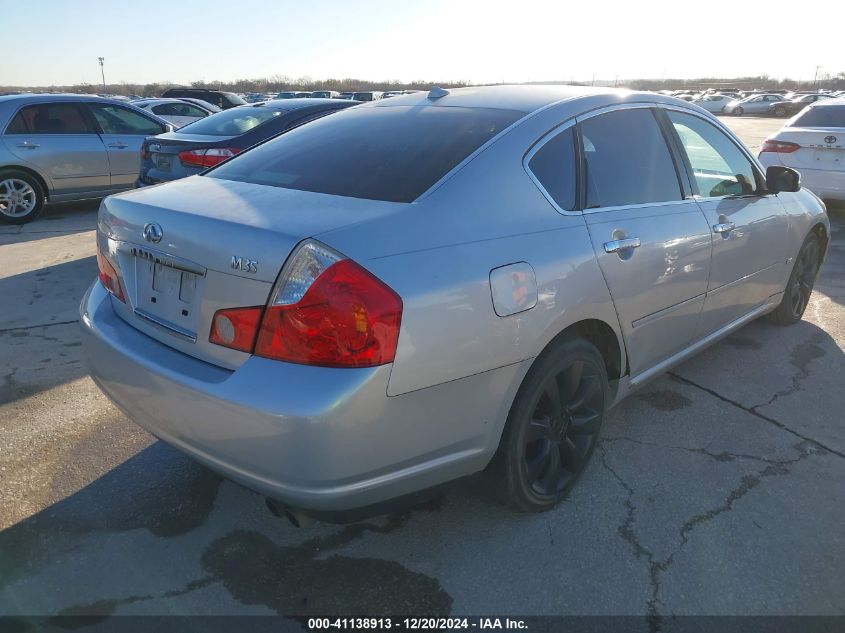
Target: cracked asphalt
{"x": 718, "y": 489}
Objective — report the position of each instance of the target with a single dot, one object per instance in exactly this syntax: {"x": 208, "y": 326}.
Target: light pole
{"x": 102, "y": 72}
{"x": 816, "y": 76}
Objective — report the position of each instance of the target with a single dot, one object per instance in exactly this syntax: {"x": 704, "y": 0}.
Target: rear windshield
{"x": 378, "y": 153}
{"x": 822, "y": 116}
{"x": 232, "y": 122}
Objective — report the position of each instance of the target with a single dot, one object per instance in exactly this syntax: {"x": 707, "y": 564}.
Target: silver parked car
{"x": 64, "y": 148}
{"x": 423, "y": 287}
{"x": 176, "y": 111}
{"x": 753, "y": 104}
{"x": 713, "y": 103}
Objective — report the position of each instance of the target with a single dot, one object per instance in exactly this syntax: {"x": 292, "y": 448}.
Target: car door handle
{"x": 614, "y": 246}
{"x": 119, "y": 145}
{"x": 724, "y": 228}
{"x": 27, "y": 145}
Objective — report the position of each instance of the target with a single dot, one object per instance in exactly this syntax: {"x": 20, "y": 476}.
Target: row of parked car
{"x": 761, "y": 103}
{"x": 73, "y": 147}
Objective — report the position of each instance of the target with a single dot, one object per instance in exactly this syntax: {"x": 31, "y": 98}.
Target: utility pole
{"x": 102, "y": 72}
{"x": 816, "y": 76}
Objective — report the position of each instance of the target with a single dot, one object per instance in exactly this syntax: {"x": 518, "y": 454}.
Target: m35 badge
{"x": 244, "y": 264}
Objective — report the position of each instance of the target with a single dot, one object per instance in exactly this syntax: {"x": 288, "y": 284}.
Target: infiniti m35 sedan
{"x": 428, "y": 286}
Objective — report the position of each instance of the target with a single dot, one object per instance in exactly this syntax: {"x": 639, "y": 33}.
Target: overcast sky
{"x": 58, "y": 41}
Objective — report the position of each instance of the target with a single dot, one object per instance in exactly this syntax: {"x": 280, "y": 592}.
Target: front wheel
{"x": 780, "y": 111}
{"x": 21, "y": 197}
{"x": 553, "y": 426}
{"x": 738, "y": 111}
{"x": 800, "y": 285}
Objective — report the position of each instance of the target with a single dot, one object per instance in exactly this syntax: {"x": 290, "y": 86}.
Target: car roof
{"x": 158, "y": 100}
{"x": 295, "y": 104}
{"x": 524, "y": 98}
{"x": 55, "y": 96}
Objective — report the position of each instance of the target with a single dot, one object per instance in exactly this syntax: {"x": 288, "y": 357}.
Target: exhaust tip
{"x": 297, "y": 518}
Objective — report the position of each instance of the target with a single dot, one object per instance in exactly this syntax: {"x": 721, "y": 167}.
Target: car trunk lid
{"x": 820, "y": 148}
{"x": 198, "y": 245}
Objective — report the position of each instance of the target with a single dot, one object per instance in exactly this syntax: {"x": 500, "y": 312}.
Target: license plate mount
{"x": 168, "y": 292}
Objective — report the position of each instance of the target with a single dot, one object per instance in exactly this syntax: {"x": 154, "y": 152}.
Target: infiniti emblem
{"x": 153, "y": 232}
{"x": 829, "y": 139}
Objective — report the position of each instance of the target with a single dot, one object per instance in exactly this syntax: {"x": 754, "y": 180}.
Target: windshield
{"x": 821, "y": 116}
{"x": 393, "y": 154}
{"x": 232, "y": 122}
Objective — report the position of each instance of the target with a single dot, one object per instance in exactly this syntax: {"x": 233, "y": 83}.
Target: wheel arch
{"x": 602, "y": 336}
{"x": 32, "y": 172}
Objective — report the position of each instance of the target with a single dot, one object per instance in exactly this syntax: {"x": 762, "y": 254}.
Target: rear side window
{"x": 50, "y": 118}
{"x": 232, "y": 122}
{"x": 627, "y": 161}
{"x": 117, "y": 120}
{"x": 554, "y": 167}
{"x": 393, "y": 154}
{"x": 821, "y": 116}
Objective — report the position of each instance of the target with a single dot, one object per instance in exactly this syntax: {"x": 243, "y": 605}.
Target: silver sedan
{"x": 753, "y": 104}
{"x": 63, "y": 148}
{"x": 428, "y": 286}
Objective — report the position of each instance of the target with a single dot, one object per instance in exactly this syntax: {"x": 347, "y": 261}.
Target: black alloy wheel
{"x": 554, "y": 426}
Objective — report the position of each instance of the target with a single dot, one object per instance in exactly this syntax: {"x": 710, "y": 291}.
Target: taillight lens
{"x": 109, "y": 277}
{"x": 236, "y": 328}
{"x": 206, "y": 157}
{"x": 145, "y": 151}
{"x": 780, "y": 147}
{"x": 325, "y": 310}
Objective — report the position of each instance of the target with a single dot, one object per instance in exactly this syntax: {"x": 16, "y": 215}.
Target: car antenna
{"x": 436, "y": 92}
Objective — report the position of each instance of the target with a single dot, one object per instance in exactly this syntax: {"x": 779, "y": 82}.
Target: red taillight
{"x": 325, "y": 310}
{"x": 109, "y": 277}
{"x": 206, "y": 157}
{"x": 781, "y": 147}
{"x": 236, "y": 328}
{"x": 145, "y": 153}
{"x": 346, "y": 318}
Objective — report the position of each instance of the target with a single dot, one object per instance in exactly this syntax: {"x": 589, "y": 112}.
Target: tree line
{"x": 278, "y": 83}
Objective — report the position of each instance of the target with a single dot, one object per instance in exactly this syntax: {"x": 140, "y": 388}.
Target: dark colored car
{"x": 794, "y": 106}
{"x": 223, "y": 100}
{"x": 211, "y": 140}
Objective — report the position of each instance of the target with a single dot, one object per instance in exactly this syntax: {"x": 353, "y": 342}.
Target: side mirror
{"x": 780, "y": 178}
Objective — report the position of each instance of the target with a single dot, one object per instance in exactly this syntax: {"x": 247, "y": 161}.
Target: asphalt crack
{"x": 800, "y": 357}
{"x": 657, "y": 567}
{"x": 98, "y": 611}
{"x": 33, "y": 327}
{"x": 753, "y": 411}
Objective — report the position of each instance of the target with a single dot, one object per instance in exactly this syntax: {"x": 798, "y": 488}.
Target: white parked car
{"x": 713, "y": 103}
{"x": 175, "y": 111}
{"x": 813, "y": 142}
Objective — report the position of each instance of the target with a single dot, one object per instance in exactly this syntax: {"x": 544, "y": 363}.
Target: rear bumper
{"x": 827, "y": 185}
{"x": 315, "y": 438}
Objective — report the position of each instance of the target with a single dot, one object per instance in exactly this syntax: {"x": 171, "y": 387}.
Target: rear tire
{"x": 21, "y": 197}
{"x": 553, "y": 427}
{"x": 796, "y": 297}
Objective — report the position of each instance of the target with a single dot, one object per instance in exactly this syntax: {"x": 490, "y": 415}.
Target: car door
{"x": 651, "y": 240}
{"x": 749, "y": 225}
{"x": 123, "y": 130}
{"x": 755, "y": 105}
{"x": 57, "y": 140}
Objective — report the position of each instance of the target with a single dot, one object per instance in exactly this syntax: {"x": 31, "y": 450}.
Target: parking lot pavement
{"x": 716, "y": 490}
